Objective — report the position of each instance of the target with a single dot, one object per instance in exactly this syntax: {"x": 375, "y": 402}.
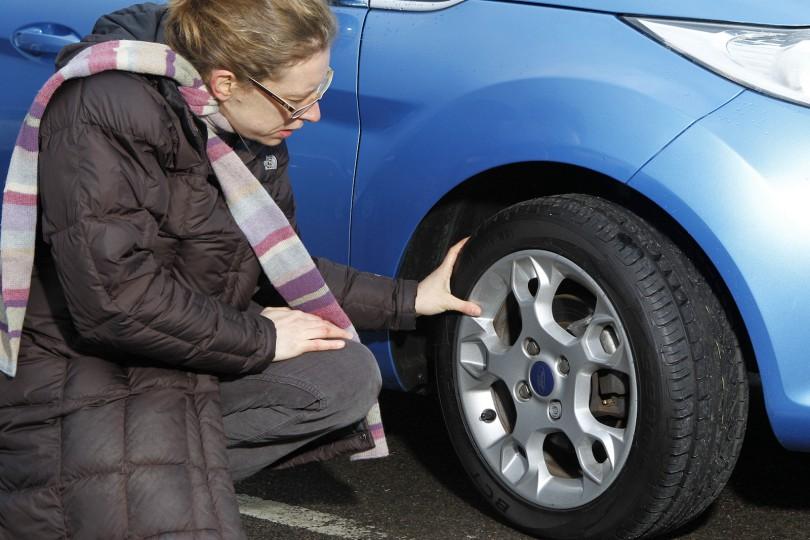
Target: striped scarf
{"x": 281, "y": 254}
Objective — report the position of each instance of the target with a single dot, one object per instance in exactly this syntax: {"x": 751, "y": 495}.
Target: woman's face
{"x": 257, "y": 116}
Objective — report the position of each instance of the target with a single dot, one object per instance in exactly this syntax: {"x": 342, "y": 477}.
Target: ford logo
{"x": 542, "y": 379}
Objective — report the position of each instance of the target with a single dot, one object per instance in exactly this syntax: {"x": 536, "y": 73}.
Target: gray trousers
{"x": 293, "y": 402}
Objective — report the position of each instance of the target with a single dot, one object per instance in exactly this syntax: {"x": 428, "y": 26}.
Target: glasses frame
{"x": 297, "y": 113}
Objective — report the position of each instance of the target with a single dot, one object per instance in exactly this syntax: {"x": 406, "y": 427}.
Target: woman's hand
{"x": 298, "y": 332}
{"x": 433, "y": 293}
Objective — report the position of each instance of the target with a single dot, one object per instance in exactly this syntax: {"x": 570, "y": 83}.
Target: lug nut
{"x": 488, "y": 416}
{"x": 608, "y": 339}
{"x": 523, "y": 390}
{"x": 563, "y": 366}
{"x": 532, "y": 348}
{"x": 555, "y": 410}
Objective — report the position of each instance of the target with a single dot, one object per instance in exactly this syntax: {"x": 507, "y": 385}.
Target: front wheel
{"x": 601, "y": 393}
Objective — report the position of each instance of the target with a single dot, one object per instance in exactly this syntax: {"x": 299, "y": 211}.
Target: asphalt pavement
{"x": 421, "y": 492}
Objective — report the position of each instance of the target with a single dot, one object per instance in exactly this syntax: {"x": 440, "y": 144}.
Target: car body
{"x": 442, "y": 113}
{"x": 703, "y": 150}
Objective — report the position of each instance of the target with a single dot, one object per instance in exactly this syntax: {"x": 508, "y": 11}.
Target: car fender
{"x": 737, "y": 181}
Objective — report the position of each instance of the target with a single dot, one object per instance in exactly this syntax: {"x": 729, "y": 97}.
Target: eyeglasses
{"x": 297, "y": 113}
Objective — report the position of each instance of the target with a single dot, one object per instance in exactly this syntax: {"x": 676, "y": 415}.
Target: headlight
{"x": 771, "y": 60}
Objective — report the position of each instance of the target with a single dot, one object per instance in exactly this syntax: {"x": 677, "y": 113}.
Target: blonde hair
{"x": 251, "y": 38}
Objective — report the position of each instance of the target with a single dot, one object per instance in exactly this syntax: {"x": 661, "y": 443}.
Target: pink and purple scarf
{"x": 292, "y": 271}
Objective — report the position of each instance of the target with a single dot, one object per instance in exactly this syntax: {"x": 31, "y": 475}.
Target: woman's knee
{"x": 360, "y": 381}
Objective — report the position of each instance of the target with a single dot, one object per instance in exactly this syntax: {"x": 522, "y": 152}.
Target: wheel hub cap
{"x": 542, "y": 379}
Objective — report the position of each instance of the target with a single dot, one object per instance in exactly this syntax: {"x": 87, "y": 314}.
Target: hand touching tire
{"x": 433, "y": 294}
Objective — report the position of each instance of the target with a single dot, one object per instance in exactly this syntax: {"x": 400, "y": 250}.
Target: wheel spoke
{"x": 522, "y": 272}
{"x": 531, "y": 419}
{"x": 548, "y": 332}
{"x": 478, "y": 346}
{"x": 534, "y": 481}
{"x": 542, "y": 323}
{"x": 521, "y": 463}
{"x": 602, "y": 346}
{"x": 511, "y": 367}
{"x": 474, "y": 356}
{"x": 549, "y": 278}
{"x": 597, "y": 446}
{"x": 513, "y": 464}
{"x": 535, "y": 309}
{"x": 478, "y": 400}
{"x": 520, "y": 453}
{"x": 591, "y": 489}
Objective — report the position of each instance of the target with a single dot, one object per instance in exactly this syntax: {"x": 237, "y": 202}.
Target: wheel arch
{"x": 462, "y": 209}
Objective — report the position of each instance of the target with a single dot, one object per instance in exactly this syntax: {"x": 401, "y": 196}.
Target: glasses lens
{"x": 327, "y": 81}
{"x": 299, "y": 112}
{"x": 322, "y": 88}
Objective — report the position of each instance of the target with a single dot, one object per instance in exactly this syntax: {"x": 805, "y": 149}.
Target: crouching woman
{"x": 176, "y": 334}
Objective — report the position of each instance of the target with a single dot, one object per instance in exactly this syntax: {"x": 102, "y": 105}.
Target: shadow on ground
{"x": 322, "y": 486}
{"x": 767, "y": 475}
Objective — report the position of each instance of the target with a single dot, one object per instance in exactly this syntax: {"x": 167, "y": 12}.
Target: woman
{"x": 151, "y": 371}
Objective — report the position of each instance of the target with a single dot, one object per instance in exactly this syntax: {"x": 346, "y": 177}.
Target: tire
{"x": 602, "y": 393}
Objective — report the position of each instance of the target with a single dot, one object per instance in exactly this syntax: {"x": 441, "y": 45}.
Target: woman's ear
{"x": 222, "y": 84}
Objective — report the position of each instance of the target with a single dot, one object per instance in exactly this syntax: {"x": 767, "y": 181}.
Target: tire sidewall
{"x": 602, "y": 261}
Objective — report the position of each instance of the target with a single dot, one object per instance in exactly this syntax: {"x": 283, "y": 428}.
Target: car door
{"x": 31, "y": 33}
{"x": 323, "y": 156}
{"x": 323, "y": 163}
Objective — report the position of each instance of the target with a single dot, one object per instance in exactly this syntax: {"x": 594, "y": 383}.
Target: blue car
{"x": 634, "y": 179}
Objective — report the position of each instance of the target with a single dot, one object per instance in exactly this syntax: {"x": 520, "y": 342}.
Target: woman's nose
{"x": 313, "y": 114}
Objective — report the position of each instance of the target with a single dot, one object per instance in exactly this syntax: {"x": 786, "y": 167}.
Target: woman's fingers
{"x": 280, "y": 315}
{"x": 285, "y": 317}
{"x": 315, "y": 345}
{"x": 324, "y": 330}
{"x": 335, "y": 332}
{"x": 452, "y": 253}
{"x": 451, "y": 257}
{"x": 465, "y": 307}
{"x": 321, "y": 326}
{"x": 269, "y": 311}
{"x": 298, "y": 332}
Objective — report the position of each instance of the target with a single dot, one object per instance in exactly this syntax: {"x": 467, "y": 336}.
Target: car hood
{"x": 778, "y": 12}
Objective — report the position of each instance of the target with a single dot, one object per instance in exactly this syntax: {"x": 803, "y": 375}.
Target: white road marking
{"x": 303, "y": 518}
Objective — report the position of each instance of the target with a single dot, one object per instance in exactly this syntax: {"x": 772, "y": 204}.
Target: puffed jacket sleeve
{"x": 371, "y": 301}
{"x": 103, "y": 190}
